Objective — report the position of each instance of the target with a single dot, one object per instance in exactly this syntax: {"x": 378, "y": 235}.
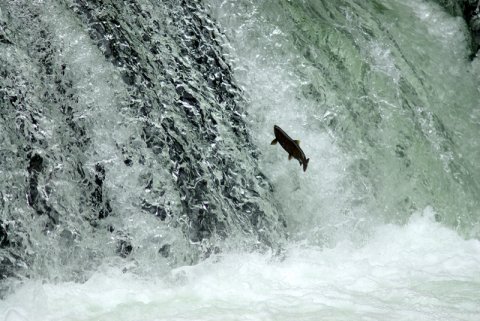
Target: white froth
{"x": 421, "y": 271}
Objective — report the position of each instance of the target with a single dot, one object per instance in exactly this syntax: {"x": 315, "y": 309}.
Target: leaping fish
{"x": 291, "y": 146}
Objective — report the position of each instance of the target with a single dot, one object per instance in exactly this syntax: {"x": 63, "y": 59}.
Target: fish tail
{"x": 305, "y": 164}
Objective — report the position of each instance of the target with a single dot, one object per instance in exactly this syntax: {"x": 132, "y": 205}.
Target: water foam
{"x": 420, "y": 271}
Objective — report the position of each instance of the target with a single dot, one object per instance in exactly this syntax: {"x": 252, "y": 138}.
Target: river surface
{"x": 139, "y": 183}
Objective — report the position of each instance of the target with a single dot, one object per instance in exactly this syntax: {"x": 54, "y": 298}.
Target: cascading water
{"x": 121, "y": 139}
{"x": 138, "y": 181}
{"x": 369, "y": 78}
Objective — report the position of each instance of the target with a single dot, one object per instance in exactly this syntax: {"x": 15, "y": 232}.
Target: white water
{"x": 421, "y": 271}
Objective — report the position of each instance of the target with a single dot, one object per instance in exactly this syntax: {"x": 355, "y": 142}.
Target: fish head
{"x": 277, "y": 130}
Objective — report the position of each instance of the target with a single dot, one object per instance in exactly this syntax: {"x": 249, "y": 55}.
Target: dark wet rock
{"x": 3, "y": 235}
{"x": 471, "y": 14}
{"x": 104, "y": 208}
{"x": 473, "y": 17}
{"x": 165, "y": 250}
{"x": 124, "y": 248}
{"x": 157, "y": 210}
{"x": 34, "y": 168}
{"x": 98, "y": 203}
{"x": 35, "y": 199}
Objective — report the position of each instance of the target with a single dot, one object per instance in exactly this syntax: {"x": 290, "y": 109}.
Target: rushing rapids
{"x": 137, "y": 179}
{"x": 116, "y": 117}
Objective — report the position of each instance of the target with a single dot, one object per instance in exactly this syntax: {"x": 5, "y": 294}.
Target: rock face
{"x": 117, "y": 111}
{"x": 471, "y": 13}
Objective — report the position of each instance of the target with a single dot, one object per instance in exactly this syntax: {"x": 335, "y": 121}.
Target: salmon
{"x": 292, "y": 147}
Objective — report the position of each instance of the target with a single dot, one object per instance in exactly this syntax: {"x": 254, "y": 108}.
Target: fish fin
{"x": 290, "y": 157}
{"x": 305, "y": 164}
{"x": 297, "y": 142}
{"x": 274, "y": 142}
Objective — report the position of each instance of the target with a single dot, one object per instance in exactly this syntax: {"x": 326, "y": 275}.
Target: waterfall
{"x": 138, "y": 182}
{"x": 123, "y": 135}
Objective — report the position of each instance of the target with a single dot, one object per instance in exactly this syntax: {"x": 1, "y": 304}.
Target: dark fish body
{"x": 292, "y": 147}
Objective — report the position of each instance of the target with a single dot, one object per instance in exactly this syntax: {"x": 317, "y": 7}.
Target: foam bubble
{"x": 419, "y": 271}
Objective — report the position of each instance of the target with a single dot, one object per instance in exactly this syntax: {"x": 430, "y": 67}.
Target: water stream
{"x": 137, "y": 179}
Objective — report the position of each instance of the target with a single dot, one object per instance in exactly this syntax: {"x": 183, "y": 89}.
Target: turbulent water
{"x": 137, "y": 179}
